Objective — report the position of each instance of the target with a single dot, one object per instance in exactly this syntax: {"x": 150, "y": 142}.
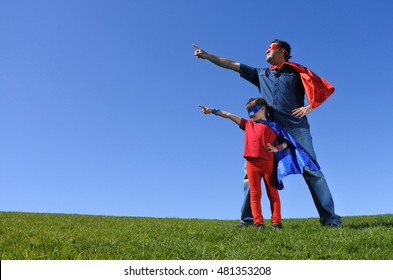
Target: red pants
{"x": 256, "y": 169}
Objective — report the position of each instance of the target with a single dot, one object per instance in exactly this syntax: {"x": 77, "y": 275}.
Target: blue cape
{"x": 293, "y": 159}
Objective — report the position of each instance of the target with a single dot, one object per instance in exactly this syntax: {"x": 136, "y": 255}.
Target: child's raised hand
{"x": 206, "y": 110}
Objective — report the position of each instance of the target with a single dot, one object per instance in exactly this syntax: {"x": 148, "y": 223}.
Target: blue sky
{"x": 99, "y": 104}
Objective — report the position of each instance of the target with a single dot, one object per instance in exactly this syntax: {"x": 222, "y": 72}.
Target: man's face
{"x": 275, "y": 54}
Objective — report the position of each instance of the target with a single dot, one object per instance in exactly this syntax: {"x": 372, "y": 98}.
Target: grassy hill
{"x": 81, "y": 237}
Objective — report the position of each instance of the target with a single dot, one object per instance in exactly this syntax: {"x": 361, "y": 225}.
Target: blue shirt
{"x": 282, "y": 89}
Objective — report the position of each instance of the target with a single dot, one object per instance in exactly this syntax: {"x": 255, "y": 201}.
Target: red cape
{"x": 317, "y": 88}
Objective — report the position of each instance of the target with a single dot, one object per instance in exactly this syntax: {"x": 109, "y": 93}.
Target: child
{"x": 259, "y": 145}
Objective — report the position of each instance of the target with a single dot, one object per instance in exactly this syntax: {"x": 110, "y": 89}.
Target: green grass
{"x": 80, "y": 237}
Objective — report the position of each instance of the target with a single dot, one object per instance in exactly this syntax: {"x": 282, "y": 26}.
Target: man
{"x": 283, "y": 86}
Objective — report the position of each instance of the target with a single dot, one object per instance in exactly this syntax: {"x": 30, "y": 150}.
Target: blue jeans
{"x": 246, "y": 214}
{"x": 315, "y": 180}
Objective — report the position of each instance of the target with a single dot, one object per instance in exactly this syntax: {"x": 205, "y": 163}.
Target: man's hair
{"x": 285, "y": 45}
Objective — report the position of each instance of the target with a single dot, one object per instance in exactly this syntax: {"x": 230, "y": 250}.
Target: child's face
{"x": 256, "y": 112}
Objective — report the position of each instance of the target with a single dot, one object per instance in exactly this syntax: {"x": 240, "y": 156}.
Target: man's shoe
{"x": 332, "y": 225}
{"x": 243, "y": 224}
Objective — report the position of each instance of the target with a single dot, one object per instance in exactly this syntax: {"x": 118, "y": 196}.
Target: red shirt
{"x": 256, "y": 136}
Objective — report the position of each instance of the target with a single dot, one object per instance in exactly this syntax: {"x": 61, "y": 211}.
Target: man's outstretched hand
{"x": 199, "y": 53}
